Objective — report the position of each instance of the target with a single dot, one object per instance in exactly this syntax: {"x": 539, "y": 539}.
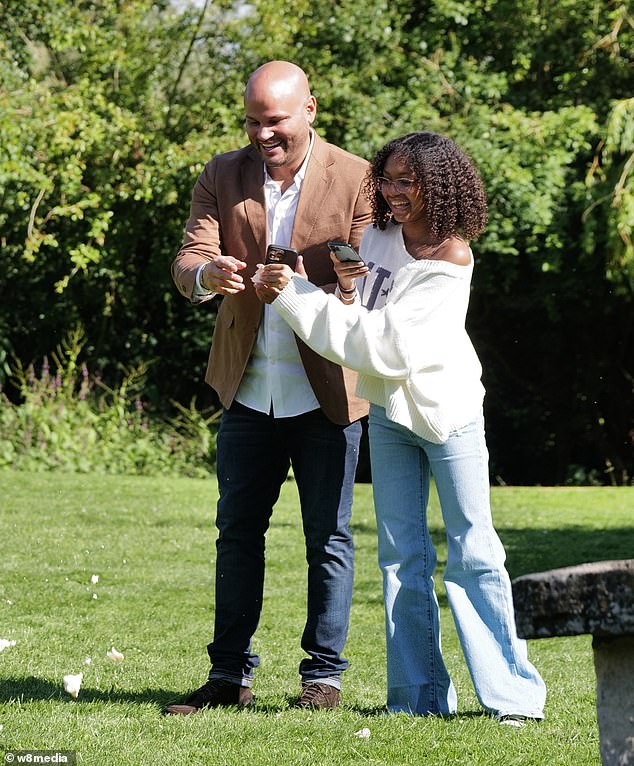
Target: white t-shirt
{"x": 383, "y": 262}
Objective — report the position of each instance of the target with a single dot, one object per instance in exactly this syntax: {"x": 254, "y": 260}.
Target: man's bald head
{"x": 279, "y": 110}
{"x": 278, "y": 77}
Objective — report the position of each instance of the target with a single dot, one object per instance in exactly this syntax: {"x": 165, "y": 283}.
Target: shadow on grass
{"x": 32, "y": 689}
{"x": 374, "y": 712}
{"x": 537, "y": 550}
{"x": 365, "y": 711}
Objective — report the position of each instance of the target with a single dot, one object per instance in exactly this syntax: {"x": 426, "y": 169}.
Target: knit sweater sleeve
{"x": 390, "y": 342}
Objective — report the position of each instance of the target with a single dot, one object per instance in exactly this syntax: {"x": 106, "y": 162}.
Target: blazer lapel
{"x": 315, "y": 190}
{"x": 252, "y": 179}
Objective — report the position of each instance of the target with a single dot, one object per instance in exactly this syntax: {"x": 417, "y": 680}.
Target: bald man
{"x": 282, "y": 404}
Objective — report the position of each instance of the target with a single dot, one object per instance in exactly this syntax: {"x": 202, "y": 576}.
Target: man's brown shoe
{"x": 318, "y": 696}
{"x": 217, "y": 692}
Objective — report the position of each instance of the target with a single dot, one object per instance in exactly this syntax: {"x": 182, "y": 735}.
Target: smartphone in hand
{"x": 344, "y": 252}
{"x": 280, "y": 254}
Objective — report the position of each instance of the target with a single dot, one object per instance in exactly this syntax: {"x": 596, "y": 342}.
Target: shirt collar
{"x": 299, "y": 176}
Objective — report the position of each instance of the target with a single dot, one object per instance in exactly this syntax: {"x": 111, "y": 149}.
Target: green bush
{"x": 109, "y": 110}
{"x": 69, "y": 420}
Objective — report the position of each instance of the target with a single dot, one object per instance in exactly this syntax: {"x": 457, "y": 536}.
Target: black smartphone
{"x": 344, "y": 251}
{"x": 279, "y": 254}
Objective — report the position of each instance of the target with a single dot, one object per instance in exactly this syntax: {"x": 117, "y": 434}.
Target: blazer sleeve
{"x": 202, "y": 234}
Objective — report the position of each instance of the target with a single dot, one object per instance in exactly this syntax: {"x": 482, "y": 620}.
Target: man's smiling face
{"x": 277, "y": 122}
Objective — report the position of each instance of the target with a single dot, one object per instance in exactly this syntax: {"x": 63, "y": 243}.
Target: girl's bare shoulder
{"x": 454, "y": 250}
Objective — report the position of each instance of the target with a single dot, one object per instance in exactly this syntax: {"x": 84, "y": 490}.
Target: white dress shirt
{"x": 275, "y": 379}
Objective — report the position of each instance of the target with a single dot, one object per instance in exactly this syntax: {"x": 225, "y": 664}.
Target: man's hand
{"x": 266, "y": 294}
{"x": 221, "y": 275}
{"x": 273, "y": 278}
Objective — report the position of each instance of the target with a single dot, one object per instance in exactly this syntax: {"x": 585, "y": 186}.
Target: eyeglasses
{"x": 400, "y": 185}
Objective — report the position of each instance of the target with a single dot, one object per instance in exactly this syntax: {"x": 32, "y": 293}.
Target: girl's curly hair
{"x": 450, "y": 186}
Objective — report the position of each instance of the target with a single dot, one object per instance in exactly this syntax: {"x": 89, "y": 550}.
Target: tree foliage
{"x": 108, "y": 111}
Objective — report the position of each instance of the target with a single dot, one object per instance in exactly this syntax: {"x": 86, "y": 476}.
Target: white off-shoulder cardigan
{"x": 413, "y": 354}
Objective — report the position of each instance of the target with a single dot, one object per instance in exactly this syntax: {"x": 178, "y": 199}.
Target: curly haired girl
{"x": 399, "y": 319}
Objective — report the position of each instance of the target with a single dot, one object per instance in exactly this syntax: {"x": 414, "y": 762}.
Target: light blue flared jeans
{"x": 476, "y": 581}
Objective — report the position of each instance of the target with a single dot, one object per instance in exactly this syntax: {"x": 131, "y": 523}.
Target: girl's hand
{"x": 272, "y": 278}
{"x": 275, "y": 276}
{"x": 348, "y": 271}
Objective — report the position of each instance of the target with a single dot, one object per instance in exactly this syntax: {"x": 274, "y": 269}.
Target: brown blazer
{"x": 228, "y": 216}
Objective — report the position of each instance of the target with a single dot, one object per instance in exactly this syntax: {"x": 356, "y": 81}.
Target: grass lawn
{"x": 151, "y": 544}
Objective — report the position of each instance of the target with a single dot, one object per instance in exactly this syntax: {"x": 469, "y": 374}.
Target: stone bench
{"x": 598, "y": 599}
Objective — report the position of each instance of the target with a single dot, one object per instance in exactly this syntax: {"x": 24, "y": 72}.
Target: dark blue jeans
{"x": 254, "y": 454}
